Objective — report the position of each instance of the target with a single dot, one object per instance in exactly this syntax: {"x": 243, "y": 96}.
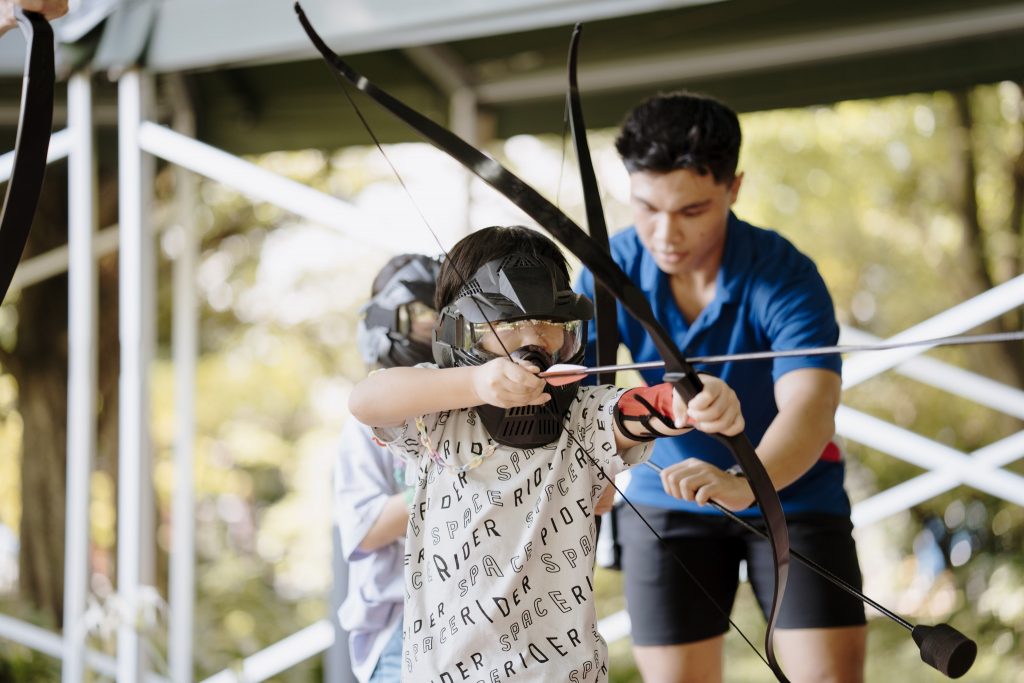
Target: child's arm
{"x": 389, "y": 526}
{"x": 370, "y": 507}
{"x": 390, "y": 397}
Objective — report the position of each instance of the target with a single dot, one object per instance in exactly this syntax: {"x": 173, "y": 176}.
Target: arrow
{"x": 564, "y": 373}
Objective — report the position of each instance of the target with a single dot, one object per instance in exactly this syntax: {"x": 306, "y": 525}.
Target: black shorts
{"x": 667, "y": 608}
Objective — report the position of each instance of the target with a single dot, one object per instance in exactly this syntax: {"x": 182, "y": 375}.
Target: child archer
{"x": 500, "y": 545}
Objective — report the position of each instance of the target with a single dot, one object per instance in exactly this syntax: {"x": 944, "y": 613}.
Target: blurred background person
{"x": 371, "y": 504}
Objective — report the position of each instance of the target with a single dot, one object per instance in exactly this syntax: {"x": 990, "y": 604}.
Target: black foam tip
{"x": 945, "y": 648}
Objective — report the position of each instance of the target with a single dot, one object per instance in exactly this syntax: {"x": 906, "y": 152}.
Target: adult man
{"x": 721, "y": 285}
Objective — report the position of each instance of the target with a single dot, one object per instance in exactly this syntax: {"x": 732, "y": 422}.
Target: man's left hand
{"x": 698, "y": 481}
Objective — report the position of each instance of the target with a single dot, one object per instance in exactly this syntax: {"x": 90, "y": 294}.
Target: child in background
{"x": 500, "y": 547}
{"x": 370, "y": 491}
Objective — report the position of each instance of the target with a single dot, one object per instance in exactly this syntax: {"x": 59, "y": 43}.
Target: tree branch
{"x": 974, "y": 239}
{"x": 1016, "y": 258}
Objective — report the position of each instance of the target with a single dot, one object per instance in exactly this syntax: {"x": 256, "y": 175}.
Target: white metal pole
{"x": 132, "y": 418}
{"x": 147, "y": 491}
{"x": 185, "y": 347}
{"x": 82, "y": 359}
{"x": 60, "y": 147}
{"x": 464, "y": 114}
{"x": 928, "y": 454}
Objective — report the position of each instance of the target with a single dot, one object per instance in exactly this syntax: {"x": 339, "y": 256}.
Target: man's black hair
{"x": 681, "y": 130}
{"x": 488, "y": 244}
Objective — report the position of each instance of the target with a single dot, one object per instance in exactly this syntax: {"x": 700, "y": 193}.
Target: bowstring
{"x": 412, "y": 200}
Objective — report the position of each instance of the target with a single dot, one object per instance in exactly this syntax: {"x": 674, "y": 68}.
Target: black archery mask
{"x": 523, "y": 305}
{"x": 387, "y": 331}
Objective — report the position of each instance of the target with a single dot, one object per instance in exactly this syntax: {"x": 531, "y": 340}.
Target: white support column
{"x": 60, "y": 147}
{"x": 82, "y": 361}
{"x": 147, "y": 491}
{"x": 185, "y": 347}
{"x": 464, "y": 115}
{"x": 260, "y": 184}
{"x": 133, "y": 417}
{"x": 911, "y": 492}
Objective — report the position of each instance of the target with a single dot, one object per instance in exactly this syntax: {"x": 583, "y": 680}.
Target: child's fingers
{"x": 540, "y": 400}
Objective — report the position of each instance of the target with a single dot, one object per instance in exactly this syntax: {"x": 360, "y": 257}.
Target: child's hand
{"x": 699, "y": 481}
{"x": 506, "y": 384}
{"x": 715, "y": 410}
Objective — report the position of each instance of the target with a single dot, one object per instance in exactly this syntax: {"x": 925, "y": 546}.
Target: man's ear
{"x": 734, "y": 188}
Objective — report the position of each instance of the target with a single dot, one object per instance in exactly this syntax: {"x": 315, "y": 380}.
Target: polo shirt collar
{"x": 736, "y": 260}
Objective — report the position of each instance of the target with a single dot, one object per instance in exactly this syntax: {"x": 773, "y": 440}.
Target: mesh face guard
{"x": 396, "y": 324}
{"x": 526, "y": 301}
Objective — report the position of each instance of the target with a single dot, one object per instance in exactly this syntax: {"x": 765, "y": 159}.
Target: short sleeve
{"x": 365, "y": 478}
{"x": 798, "y": 313}
{"x": 592, "y": 418}
{"x": 402, "y": 440}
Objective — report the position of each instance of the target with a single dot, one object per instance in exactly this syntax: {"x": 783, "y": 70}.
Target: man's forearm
{"x": 807, "y": 401}
{"x": 793, "y": 443}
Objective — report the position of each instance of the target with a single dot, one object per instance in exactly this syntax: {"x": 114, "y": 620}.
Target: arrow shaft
{"x": 790, "y": 353}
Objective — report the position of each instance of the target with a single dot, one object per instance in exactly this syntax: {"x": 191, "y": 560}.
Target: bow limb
{"x": 31, "y": 145}
{"x": 605, "y": 309}
{"x": 600, "y": 263}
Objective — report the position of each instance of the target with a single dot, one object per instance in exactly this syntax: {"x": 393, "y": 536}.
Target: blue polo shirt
{"x": 768, "y": 296}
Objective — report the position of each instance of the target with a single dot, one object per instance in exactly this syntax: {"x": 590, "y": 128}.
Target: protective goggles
{"x": 562, "y": 340}
{"x": 415, "y": 319}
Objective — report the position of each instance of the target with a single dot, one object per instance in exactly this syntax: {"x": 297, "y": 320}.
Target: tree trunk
{"x": 39, "y": 364}
{"x": 974, "y": 254}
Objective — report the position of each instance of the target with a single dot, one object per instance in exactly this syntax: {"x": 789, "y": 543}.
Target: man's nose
{"x": 663, "y": 226}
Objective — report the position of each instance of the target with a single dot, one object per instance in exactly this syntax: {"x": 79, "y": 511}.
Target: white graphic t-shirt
{"x": 499, "y": 553}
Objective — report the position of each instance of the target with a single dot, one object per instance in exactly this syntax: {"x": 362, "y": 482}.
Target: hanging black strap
{"x": 31, "y": 145}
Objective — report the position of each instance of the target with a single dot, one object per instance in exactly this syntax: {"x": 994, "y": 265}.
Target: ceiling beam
{"x": 816, "y": 47}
